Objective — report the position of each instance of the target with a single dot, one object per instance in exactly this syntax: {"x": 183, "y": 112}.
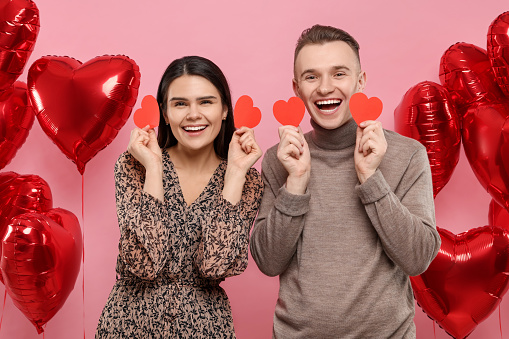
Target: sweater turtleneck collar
{"x": 334, "y": 139}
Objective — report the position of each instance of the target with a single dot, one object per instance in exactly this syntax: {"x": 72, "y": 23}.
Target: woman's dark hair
{"x": 195, "y": 65}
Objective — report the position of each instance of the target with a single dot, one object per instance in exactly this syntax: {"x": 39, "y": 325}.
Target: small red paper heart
{"x": 289, "y": 113}
{"x": 148, "y": 114}
{"x": 363, "y": 109}
{"x": 245, "y": 113}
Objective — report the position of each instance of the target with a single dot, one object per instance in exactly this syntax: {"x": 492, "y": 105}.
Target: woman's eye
{"x": 179, "y": 103}
{"x": 206, "y": 102}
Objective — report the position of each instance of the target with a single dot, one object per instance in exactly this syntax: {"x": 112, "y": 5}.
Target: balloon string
{"x": 3, "y": 308}
{"x": 83, "y": 242}
{"x": 434, "y": 333}
{"x": 500, "y": 321}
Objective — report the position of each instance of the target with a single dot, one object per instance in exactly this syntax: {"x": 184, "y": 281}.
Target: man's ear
{"x": 295, "y": 86}
{"x": 362, "y": 81}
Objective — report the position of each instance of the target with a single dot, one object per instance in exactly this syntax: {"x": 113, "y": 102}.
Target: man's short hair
{"x": 319, "y": 34}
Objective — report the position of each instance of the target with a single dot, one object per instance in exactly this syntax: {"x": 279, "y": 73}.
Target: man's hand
{"x": 370, "y": 149}
{"x": 293, "y": 153}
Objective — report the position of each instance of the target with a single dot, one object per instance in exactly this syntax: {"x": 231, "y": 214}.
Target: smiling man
{"x": 347, "y": 214}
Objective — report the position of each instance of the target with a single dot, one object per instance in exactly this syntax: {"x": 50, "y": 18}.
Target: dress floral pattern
{"x": 172, "y": 257}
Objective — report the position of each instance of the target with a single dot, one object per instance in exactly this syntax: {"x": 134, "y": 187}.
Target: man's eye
{"x": 340, "y": 74}
{"x": 310, "y": 77}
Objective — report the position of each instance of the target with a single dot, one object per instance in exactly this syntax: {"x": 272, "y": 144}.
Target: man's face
{"x": 326, "y": 76}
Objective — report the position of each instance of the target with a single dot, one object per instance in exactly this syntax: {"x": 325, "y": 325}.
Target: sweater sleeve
{"x": 223, "y": 251}
{"x": 141, "y": 218}
{"x": 279, "y": 224}
{"x": 404, "y": 222}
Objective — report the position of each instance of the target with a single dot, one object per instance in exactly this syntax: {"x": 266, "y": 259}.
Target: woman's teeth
{"x": 194, "y": 129}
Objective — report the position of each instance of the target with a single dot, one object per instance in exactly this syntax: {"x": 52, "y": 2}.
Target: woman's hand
{"x": 143, "y": 147}
{"x": 243, "y": 151}
{"x": 242, "y": 154}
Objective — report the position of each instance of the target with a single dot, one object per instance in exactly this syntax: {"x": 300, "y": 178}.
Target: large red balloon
{"x": 467, "y": 279}
{"x": 19, "y": 26}
{"x": 498, "y": 50}
{"x": 16, "y": 119}
{"x": 466, "y": 72}
{"x": 427, "y": 115}
{"x": 81, "y": 107}
{"x": 41, "y": 261}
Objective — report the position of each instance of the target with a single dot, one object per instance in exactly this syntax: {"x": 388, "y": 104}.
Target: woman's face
{"x": 195, "y": 112}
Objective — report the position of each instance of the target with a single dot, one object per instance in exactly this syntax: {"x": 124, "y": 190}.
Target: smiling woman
{"x": 186, "y": 201}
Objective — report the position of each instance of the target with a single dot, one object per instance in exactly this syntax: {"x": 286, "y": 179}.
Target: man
{"x": 347, "y": 214}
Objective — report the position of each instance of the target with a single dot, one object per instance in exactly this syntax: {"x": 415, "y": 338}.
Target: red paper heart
{"x": 41, "y": 261}
{"x": 289, "y": 113}
{"x": 426, "y": 114}
{"x": 245, "y": 113}
{"x": 467, "y": 279}
{"x": 498, "y": 50}
{"x": 21, "y": 194}
{"x": 363, "y": 109}
{"x": 16, "y": 119}
{"x": 466, "y": 72}
{"x": 19, "y": 26}
{"x": 148, "y": 114}
{"x": 81, "y": 107}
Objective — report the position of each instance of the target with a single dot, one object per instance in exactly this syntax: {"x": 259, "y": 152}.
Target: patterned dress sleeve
{"x": 223, "y": 250}
{"x": 141, "y": 218}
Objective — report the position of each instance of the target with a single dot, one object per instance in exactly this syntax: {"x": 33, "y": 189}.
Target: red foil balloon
{"x": 21, "y": 194}
{"x": 498, "y": 216}
{"x": 19, "y": 26}
{"x": 41, "y": 261}
{"x": 427, "y": 115}
{"x": 466, "y": 281}
{"x": 466, "y": 72}
{"x": 498, "y": 50}
{"x": 81, "y": 107}
{"x": 16, "y": 119}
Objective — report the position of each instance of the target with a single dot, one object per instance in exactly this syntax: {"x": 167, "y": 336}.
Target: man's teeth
{"x": 193, "y": 129}
{"x": 328, "y": 102}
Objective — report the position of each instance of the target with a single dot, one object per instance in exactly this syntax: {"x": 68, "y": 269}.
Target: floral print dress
{"x": 172, "y": 257}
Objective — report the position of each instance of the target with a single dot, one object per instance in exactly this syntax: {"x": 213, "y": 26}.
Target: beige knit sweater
{"x": 344, "y": 251}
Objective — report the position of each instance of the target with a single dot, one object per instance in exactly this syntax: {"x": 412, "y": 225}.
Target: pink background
{"x": 401, "y": 45}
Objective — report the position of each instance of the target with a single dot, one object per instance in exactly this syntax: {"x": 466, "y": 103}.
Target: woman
{"x": 184, "y": 212}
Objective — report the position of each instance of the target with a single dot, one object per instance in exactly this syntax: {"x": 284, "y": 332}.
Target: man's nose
{"x": 325, "y": 86}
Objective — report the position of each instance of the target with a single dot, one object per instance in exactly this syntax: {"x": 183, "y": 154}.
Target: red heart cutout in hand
{"x": 19, "y": 26}
{"x": 148, "y": 114}
{"x": 467, "y": 279}
{"x": 21, "y": 194}
{"x": 363, "y": 109}
{"x": 41, "y": 261}
{"x": 426, "y": 114}
{"x": 245, "y": 113}
{"x": 81, "y": 107}
{"x": 289, "y": 113}
{"x": 16, "y": 119}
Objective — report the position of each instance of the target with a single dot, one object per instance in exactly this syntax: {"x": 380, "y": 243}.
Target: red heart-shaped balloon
{"x": 426, "y": 114}
{"x": 498, "y": 50}
{"x": 245, "y": 113}
{"x": 148, "y": 114}
{"x": 41, "y": 261}
{"x": 498, "y": 216}
{"x": 19, "y": 26}
{"x": 466, "y": 73}
{"x": 81, "y": 107}
{"x": 363, "y": 109}
{"x": 466, "y": 280}
{"x": 21, "y": 194}
{"x": 289, "y": 113}
{"x": 16, "y": 119}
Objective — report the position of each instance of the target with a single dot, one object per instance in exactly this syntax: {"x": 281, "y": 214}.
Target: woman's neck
{"x": 195, "y": 161}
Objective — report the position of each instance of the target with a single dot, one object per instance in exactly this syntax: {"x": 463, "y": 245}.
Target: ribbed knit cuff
{"x": 290, "y": 204}
{"x": 373, "y": 189}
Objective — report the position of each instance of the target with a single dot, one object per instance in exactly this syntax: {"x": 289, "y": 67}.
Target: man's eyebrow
{"x": 336, "y": 68}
